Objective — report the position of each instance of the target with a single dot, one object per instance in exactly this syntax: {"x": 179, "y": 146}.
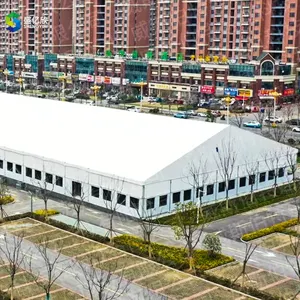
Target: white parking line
{"x": 242, "y": 225}
{"x": 271, "y": 216}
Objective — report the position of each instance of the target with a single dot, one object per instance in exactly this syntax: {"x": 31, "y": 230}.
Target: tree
{"x": 277, "y": 132}
{"x": 97, "y": 280}
{"x": 51, "y": 263}
{"x": 185, "y": 226}
{"x": 4, "y": 193}
{"x": 197, "y": 178}
{"x": 12, "y": 258}
{"x": 252, "y": 169}
{"x": 148, "y": 226}
{"x": 238, "y": 120}
{"x": 288, "y": 111}
{"x": 212, "y": 243}
{"x": 260, "y": 117}
{"x": 291, "y": 158}
{"x": 250, "y": 248}
{"x": 225, "y": 160}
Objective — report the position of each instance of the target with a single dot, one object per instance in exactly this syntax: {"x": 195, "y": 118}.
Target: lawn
{"x": 66, "y": 242}
{"x": 219, "y": 294}
{"x": 100, "y": 255}
{"x": 287, "y": 289}
{"x": 120, "y": 263}
{"x": 81, "y": 249}
{"x": 20, "y": 279}
{"x": 273, "y": 240}
{"x": 163, "y": 279}
{"x": 285, "y": 249}
{"x": 43, "y": 237}
{"x": 35, "y": 229}
{"x": 187, "y": 289}
{"x": 262, "y": 279}
{"x": 63, "y": 295}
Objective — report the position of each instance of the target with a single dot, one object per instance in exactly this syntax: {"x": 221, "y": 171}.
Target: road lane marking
{"x": 242, "y": 225}
{"x": 234, "y": 249}
{"x": 280, "y": 263}
{"x": 217, "y": 232}
{"x": 267, "y": 217}
{"x": 65, "y": 271}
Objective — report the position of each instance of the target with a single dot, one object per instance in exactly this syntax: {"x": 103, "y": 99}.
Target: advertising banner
{"x": 232, "y": 92}
{"x": 288, "y": 92}
{"x": 29, "y": 75}
{"x": 207, "y": 89}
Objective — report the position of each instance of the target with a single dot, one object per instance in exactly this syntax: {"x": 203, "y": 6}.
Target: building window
{"x": 242, "y": 181}
{"x": 106, "y": 195}
{"x": 210, "y": 189}
{"x": 251, "y": 179}
{"x": 176, "y": 197}
{"x": 58, "y": 181}
{"x": 187, "y": 195}
{"x": 18, "y": 169}
{"x": 163, "y": 200}
{"x": 134, "y": 202}
{"x": 262, "y": 177}
{"x": 38, "y": 175}
{"x": 281, "y": 172}
{"x": 150, "y": 203}
{"x": 76, "y": 188}
{"x": 10, "y": 167}
{"x": 271, "y": 175}
{"x": 231, "y": 184}
{"x": 221, "y": 187}
{"x": 29, "y": 172}
{"x": 95, "y": 192}
{"x": 49, "y": 178}
{"x": 1, "y": 164}
{"x": 199, "y": 192}
{"x": 121, "y": 199}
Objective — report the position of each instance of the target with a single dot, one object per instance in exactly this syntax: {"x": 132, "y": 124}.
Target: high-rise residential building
{"x": 46, "y": 26}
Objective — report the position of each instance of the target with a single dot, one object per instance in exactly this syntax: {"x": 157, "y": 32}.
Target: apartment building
{"x": 46, "y": 26}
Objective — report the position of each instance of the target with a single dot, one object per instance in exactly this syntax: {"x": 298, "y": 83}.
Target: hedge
{"x": 280, "y": 227}
{"x": 7, "y": 199}
{"x": 171, "y": 256}
{"x": 50, "y": 212}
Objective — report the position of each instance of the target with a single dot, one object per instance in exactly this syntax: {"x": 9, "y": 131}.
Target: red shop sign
{"x": 288, "y": 92}
{"x": 208, "y": 89}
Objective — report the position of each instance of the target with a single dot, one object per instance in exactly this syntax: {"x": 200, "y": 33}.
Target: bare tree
{"x": 272, "y": 160}
{"x": 250, "y": 248}
{"x": 51, "y": 263}
{"x": 225, "y": 160}
{"x": 148, "y": 226}
{"x": 12, "y": 258}
{"x": 113, "y": 198}
{"x": 238, "y": 120}
{"x": 288, "y": 112}
{"x": 197, "y": 177}
{"x": 97, "y": 280}
{"x": 4, "y": 192}
{"x": 260, "y": 117}
{"x": 186, "y": 227}
{"x": 252, "y": 170}
{"x": 291, "y": 158}
{"x": 277, "y": 133}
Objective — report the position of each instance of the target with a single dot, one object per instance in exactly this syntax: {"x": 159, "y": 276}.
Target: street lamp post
{"x": 275, "y": 95}
{"x": 96, "y": 88}
{"x": 141, "y": 101}
{"x": 20, "y": 81}
{"x": 63, "y": 78}
{"x": 228, "y": 101}
{"x": 6, "y": 72}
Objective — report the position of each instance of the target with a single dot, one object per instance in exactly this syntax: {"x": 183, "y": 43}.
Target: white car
{"x": 134, "y": 109}
{"x": 202, "y": 115}
{"x": 191, "y": 113}
{"x": 296, "y": 129}
{"x": 273, "y": 120}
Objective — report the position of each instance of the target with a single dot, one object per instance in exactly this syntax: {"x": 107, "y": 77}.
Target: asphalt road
{"x": 72, "y": 275}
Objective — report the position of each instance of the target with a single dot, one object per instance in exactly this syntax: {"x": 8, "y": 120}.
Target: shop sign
{"x": 27, "y": 66}
{"x": 98, "y": 79}
{"x": 29, "y": 75}
{"x": 219, "y": 91}
{"x": 232, "y": 92}
{"x": 245, "y": 93}
{"x": 90, "y": 78}
{"x": 264, "y": 93}
{"x": 116, "y": 80}
{"x": 125, "y": 81}
{"x": 75, "y": 77}
{"x": 106, "y": 79}
{"x": 288, "y": 92}
{"x": 161, "y": 86}
{"x": 47, "y": 74}
{"x": 83, "y": 77}
{"x": 207, "y": 89}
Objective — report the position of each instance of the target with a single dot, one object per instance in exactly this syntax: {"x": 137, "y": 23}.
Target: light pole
{"x": 142, "y": 83}
{"x": 275, "y": 95}
{"x": 96, "y": 88}
{"x": 63, "y": 78}
{"x": 20, "y": 81}
{"x": 6, "y": 72}
{"x": 228, "y": 101}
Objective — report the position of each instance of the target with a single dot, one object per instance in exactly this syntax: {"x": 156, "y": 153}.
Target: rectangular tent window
{"x": 210, "y": 189}
{"x": 49, "y": 178}
{"x": 18, "y": 169}
{"x": 106, "y": 195}
{"x": 221, "y": 187}
{"x": 262, "y": 177}
{"x": 121, "y": 199}
{"x": 163, "y": 200}
{"x": 231, "y": 184}
{"x": 76, "y": 188}
{"x": 176, "y": 197}
{"x": 187, "y": 195}
{"x": 38, "y": 175}
{"x": 242, "y": 181}
{"x": 199, "y": 192}
{"x": 10, "y": 166}
{"x": 281, "y": 172}
{"x": 134, "y": 202}
{"x": 251, "y": 179}
{"x": 150, "y": 203}
{"x": 29, "y": 172}
{"x": 95, "y": 191}
{"x": 58, "y": 181}
{"x": 271, "y": 175}
{"x": 1, "y": 164}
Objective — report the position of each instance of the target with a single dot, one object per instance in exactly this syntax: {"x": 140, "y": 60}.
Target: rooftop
{"x": 129, "y": 145}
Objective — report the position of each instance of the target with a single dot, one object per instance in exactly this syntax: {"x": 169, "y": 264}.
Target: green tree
{"x": 185, "y": 226}
{"x": 212, "y": 243}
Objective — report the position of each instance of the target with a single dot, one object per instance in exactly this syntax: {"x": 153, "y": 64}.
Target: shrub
{"x": 172, "y": 256}
{"x": 7, "y": 199}
{"x": 265, "y": 231}
{"x": 212, "y": 243}
{"x": 50, "y": 212}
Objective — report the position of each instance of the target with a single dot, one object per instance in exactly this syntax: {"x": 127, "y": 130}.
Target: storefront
{"x": 86, "y": 81}
{"x": 29, "y": 78}
{"x": 170, "y": 91}
{"x": 51, "y": 78}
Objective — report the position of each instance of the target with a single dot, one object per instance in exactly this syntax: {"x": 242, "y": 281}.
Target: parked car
{"x": 278, "y": 107}
{"x": 151, "y": 99}
{"x": 202, "y": 115}
{"x": 296, "y": 129}
{"x": 191, "y": 113}
{"x": 273, "y": 120}
{"x": 135, "y": 109}
{"x": 252, "y": 124}
{"x": 216, "y": 113}
{"x": 181, "y": 115}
